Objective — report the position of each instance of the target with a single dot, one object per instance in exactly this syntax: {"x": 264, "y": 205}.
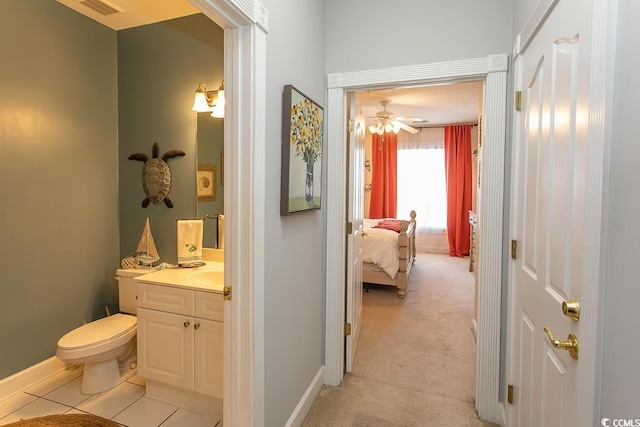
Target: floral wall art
{"x": 302, "y": 130}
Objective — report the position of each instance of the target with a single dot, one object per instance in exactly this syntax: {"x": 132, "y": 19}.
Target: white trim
{"x": 494, "y": 69}
{"x": 535, "y": 21}
{"x": 30, "y": 376}
{"x": 490, "y": 226}
{"x": 306, "y": 402}
{"x": 245, "y": 23}
{"x": 599, "y": 138}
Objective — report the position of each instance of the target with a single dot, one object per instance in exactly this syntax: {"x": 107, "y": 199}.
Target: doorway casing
{"x": 493, "y": 70}
{"x": 245, "y": 24}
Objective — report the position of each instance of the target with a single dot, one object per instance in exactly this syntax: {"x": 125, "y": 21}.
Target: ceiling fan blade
{"x": 409, "y": 119}
{"x": 405, "y": 127}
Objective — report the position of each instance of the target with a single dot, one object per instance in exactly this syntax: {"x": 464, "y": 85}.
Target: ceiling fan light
{"x": 372, "y": 129}
{"x": 396, "y": 128}
{"x": 388, "y": 127}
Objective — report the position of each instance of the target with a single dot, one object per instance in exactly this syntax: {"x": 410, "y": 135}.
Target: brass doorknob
{"x": 570, "y": 344}
{"x": 571, "y": 309}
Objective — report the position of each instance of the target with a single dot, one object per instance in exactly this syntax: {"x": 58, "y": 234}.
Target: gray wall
{"x": 159, "y": 68}
{"x": 621, "y": 340}
{"x": 294, "y": 297}
{"x": 365, "y": 34}
{"x": 59, "y": 171}
{"x": 71, "y": 83}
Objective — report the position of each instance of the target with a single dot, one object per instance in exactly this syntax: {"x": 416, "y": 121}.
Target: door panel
{"x": 165, "y": 347}
{"x": 209, "y": 354}
{"x": 355, "y": 214}
{"x": 550, "y": 175}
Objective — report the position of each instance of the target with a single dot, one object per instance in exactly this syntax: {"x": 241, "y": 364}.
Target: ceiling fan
{"x": 387, "y": 122}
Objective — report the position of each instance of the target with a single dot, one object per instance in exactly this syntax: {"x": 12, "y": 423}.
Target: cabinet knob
{"x": 186, "y": 324}
{"x": 196, "y": 326}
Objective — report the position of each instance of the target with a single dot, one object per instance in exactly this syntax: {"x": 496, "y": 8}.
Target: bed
{"x": 388, "y": 251}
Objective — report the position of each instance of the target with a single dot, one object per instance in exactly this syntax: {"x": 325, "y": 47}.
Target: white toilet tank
{"x": 128, "y": 288}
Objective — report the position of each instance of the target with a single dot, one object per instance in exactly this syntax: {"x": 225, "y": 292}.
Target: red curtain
{"x": 457, "y": 154}
{"x": 384, "y": 190}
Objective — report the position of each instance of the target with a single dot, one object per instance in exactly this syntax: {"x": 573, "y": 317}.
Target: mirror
{"x": 210, "y": 174}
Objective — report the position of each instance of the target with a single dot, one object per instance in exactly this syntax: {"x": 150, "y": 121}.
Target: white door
{"x": 355, "y": 213}
{"x": 551, "y": 153}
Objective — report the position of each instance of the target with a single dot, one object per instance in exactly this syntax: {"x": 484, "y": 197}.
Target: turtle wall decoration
{"x": 156, "y": 176}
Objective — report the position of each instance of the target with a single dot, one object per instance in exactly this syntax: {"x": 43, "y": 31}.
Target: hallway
{"x": 415, "y": 363}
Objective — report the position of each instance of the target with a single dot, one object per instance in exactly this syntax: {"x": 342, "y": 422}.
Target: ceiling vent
{"x": 102, "y": 7}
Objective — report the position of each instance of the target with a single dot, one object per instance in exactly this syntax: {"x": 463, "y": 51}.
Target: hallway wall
{"x": 414, "y": 32}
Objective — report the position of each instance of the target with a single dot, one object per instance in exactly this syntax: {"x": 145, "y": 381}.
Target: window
{"x": 421, "y": 178}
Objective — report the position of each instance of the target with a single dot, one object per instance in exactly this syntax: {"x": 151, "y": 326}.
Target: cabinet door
{"x": 209, "y": 357}
{"x": 165, "y": 347}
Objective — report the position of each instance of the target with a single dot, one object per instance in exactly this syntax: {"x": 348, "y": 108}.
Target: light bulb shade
{"x": 218, "y": 109}
{"x": 396, "y": 128}
{"x": 372, "y": 129}
{"x": 388, "y": 127}
{"x": 200, "y": 103}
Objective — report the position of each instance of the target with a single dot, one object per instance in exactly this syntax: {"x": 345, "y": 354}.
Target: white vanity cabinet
{"x": 180, "y": 338}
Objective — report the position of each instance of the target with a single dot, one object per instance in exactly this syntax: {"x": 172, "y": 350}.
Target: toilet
{"x": 107, "y": 346}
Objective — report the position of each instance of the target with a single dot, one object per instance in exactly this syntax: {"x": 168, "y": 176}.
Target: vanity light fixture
{"x": 209, "y": 100}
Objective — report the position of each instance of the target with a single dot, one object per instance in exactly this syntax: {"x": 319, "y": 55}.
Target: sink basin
{"x": 206, "y": 278}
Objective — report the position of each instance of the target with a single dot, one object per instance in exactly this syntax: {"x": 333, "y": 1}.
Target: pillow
{"x": 389, "y": 224}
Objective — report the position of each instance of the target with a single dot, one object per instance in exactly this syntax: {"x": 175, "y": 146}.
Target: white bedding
{"x": 380, "y": 247}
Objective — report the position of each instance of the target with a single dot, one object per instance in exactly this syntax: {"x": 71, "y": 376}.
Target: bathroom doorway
{"x": 244, "y": 139}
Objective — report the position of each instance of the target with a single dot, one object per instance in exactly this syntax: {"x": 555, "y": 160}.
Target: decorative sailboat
{"x": 146, "y": 252}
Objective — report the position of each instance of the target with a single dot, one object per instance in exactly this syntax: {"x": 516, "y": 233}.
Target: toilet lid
{"x": 98, "y": 331}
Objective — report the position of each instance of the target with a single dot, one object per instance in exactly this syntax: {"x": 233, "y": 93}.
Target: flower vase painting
{"x": 303, "y": 131}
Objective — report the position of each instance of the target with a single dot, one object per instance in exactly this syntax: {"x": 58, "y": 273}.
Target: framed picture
{"x": 302, "y": 137}
{"x": 206, "y": 182}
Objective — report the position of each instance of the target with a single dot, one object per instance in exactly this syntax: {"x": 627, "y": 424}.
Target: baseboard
{"x": 306, "y": 402}
{"x": 432, "y": 249}
{"x": 503, "y": 414}
{"x": 474, "y": 329}
{"x": 28, "y": 377}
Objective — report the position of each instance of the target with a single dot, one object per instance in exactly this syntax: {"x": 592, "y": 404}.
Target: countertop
{"x": 208, "y": 278}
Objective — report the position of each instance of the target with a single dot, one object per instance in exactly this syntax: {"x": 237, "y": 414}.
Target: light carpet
{"x": 415, "y": 363}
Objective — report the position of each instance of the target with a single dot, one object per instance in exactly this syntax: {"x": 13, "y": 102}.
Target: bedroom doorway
{"x": 430, "y": 334}
{"x": 493, "y": 70}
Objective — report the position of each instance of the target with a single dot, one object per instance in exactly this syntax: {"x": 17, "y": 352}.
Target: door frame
{"x": 493, "y": 70}
{"x": 599, "y": 141}
{"x": 245, "y": 24}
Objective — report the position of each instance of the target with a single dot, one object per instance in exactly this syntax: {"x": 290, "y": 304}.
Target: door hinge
{"x": 349, "y": 227}
{"x": 510, "y": 394}
{"x": 514, "y": 249}
{"x": 227, "y": 293}
{"x": 518, "y": 101}
{"x": 347, "y": 328}
{"x": 351, "y": 125}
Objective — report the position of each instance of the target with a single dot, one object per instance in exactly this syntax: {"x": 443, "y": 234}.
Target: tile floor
{"x": 125, "y": 404}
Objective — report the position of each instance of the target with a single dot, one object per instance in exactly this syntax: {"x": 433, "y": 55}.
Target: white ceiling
{"x": 134, "y": 12}
{"x": 438, "y": 104}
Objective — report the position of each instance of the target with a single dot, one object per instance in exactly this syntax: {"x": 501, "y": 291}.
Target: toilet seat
{"x": 115, "y": 330}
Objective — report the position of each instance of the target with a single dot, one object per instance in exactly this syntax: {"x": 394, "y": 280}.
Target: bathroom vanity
{"x": 181, "y": 336}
